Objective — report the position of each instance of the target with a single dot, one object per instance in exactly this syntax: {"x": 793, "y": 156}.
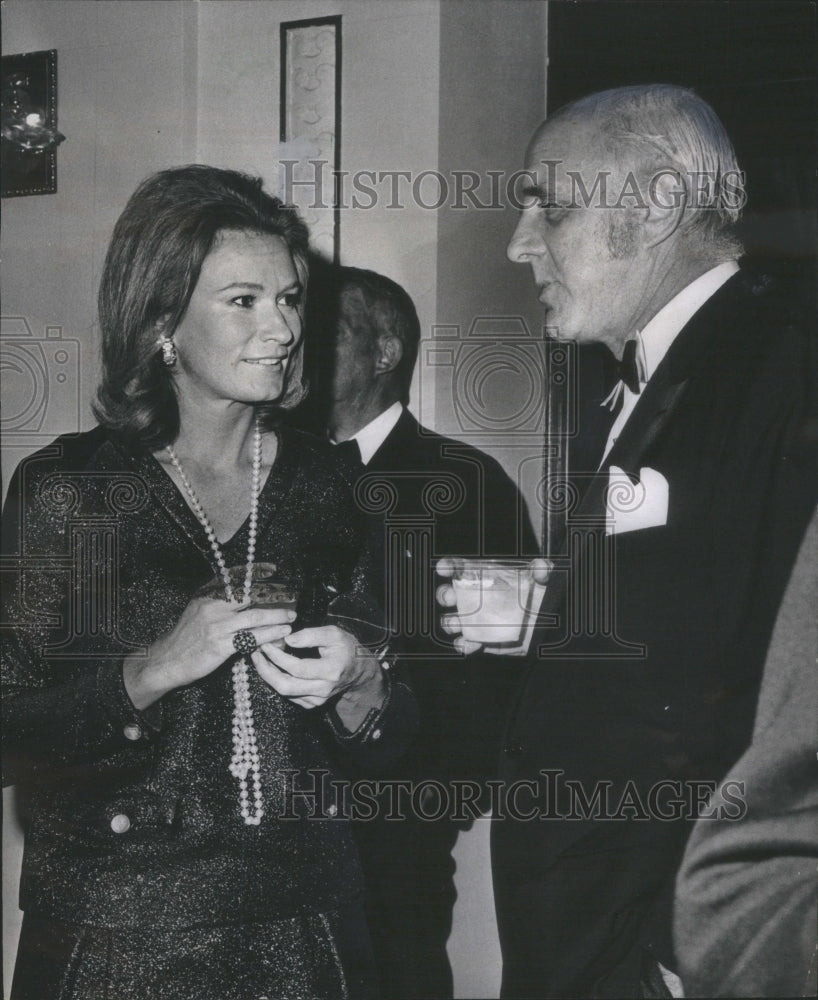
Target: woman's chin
{"x": 269, "y": 393}
{"x": 263, "y": 399}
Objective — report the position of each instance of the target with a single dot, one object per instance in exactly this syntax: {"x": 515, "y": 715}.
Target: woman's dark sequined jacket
{"x": 132, "y": 818}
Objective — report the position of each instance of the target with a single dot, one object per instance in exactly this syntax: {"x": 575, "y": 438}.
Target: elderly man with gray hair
{"x": 682, "y": 524}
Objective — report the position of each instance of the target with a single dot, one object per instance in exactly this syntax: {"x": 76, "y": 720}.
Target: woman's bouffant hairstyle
{"x": 159, "y": 244}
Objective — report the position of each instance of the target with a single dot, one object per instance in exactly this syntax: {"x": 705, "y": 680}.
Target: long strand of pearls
{"x": 245, "y": 760}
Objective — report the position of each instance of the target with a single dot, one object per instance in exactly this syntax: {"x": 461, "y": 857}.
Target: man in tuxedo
{"x": 681, "y": 526}
{"x": 436, "y": 495}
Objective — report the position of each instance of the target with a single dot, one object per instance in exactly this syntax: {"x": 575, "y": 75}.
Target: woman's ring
{"x": 245, "y": 642}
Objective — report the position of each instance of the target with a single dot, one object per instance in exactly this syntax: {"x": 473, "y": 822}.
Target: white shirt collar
{"x": 373, "y": 435}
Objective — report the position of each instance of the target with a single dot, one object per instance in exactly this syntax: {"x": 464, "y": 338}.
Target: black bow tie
{"x": 350, "y": 451}
{"x": 627, "y": 369}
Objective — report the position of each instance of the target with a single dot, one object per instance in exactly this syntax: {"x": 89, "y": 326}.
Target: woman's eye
{"x": 244, "y": 301}
{"x": 292, "y": 300}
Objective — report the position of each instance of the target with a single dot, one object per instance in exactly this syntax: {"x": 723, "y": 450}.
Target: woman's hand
{"x": 343, "y": 667}
{"x": 200, "y": 642}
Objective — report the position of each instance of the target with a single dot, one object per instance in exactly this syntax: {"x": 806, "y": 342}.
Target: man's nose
{"x": 526, "y": 241}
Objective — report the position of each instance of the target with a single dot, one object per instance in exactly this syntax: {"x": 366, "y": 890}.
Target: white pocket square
{"x": 632, "y": 506}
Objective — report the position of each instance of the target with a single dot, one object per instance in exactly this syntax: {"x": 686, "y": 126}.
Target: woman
{"x": 160, "y": 740}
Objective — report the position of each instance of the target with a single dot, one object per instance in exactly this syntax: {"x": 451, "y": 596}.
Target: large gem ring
{"x": 244, "y": 642}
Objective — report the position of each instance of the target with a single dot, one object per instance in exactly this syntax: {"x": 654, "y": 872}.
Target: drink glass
{"x": 493, "y": 598}
{"x": 267, "y": 589}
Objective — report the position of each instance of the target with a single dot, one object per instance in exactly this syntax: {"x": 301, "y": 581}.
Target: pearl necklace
{"x": 245, "y": 750}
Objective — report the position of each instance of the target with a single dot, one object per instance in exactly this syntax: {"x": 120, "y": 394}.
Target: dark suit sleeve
{"x": 384, "y": 735}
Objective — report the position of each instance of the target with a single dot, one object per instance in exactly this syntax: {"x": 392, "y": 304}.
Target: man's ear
{"x": 389, "y": 354}
{"x": 666, "y": 206}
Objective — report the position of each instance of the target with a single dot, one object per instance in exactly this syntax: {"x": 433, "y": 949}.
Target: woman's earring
{"x": 168, "y": 351}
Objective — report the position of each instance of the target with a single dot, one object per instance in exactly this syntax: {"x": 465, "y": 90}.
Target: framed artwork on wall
{"x": 310, "y": 150}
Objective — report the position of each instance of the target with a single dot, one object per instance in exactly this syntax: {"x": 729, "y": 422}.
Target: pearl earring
{"x": 168, "y": 351}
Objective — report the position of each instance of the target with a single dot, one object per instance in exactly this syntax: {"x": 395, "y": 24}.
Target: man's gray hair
{"x": 657, "y": 127}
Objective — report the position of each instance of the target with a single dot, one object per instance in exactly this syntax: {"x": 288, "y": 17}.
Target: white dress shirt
{"x": 653, "y": 342}
{"x": 373, "y": 435}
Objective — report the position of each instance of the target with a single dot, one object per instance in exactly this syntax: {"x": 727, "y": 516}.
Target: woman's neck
{"x": 215, "y": 455}
{"x": 219, "y": 438}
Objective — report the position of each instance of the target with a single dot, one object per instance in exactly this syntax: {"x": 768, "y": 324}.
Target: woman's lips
{"x": 266, "y": 362}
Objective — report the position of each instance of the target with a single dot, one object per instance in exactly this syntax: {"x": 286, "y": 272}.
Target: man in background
{"x": 438, "y": 496}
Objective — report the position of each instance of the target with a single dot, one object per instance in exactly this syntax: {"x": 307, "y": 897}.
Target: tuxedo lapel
{"x": 651, "y": 414}
{"x": 656, "y": 407}
{"x": 664, "y": 392}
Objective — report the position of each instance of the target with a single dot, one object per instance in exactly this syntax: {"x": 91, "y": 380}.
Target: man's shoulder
{"x": 412, "y": 442}
{"x": 463, "y": 484}
{"x": 766, "y": 337}
{"x": 759, "y": 303}
{"x": 751, "y": 331}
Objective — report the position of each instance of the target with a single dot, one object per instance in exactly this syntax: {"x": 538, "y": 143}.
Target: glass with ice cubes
{"x": 493, "y": 598}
